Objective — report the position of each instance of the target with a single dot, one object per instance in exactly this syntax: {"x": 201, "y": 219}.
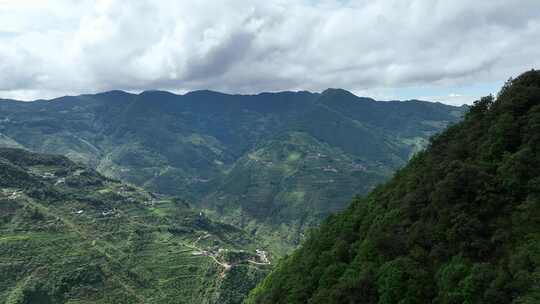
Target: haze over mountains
{"x": 273, "y": 163}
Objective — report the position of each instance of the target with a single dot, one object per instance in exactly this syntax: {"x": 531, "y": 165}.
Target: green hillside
{"x": 70, "y": 235}
{"x": 459, "y": 224}
{"x": 293, "y": 179}
{"x": 274, "y": 163}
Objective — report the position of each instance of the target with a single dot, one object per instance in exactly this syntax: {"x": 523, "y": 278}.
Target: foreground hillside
{"x": 69, "y": 235}
{"x": 274, "y": 163}
{"x": 459, "y": 224}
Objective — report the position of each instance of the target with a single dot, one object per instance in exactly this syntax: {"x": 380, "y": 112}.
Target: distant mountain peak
{"x": 156, "y": 92}
{"x": 332, "y": 94}
{"x": 205, "y": 92}
{"x": 335, "y": 91}
{"x": 114, "y": 92}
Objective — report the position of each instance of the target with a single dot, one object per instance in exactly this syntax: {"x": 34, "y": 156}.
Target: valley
{"x": 274, "y": 164}
{"x": 269, "y": 152}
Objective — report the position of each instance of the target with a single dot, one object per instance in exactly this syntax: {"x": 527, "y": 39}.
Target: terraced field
{"x": 69, "y": 235}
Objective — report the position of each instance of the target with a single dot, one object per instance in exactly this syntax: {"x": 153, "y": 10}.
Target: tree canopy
{"x": 459, "y": 224}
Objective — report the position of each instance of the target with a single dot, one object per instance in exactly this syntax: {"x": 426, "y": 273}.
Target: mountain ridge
{"x": 189, "y": 144}
{"x": 209, "y": 91}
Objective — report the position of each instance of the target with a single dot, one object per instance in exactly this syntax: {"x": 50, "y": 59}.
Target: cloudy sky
{"x": 449, "y": 51}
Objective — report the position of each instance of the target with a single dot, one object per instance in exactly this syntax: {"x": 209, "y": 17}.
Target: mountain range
{"x": 216, "y": 195}
{"x": 274, "y": 164}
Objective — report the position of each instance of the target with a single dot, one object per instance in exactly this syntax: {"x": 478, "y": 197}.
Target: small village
{"x": 196, "y": 180}
{"x": 217, "y": 255}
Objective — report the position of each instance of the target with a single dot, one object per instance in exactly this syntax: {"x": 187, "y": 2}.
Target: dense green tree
{"x": 459, "y": 224}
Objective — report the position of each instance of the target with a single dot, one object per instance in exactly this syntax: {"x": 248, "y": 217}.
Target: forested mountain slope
{"x": 70, "y": 235}
{"x": 274, "y": 163}
{"x": 459, "y": 224}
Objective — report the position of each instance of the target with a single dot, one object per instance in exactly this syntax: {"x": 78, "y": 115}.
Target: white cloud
{"x": 452, "y": 99}
{"x": 51, "y": 48}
